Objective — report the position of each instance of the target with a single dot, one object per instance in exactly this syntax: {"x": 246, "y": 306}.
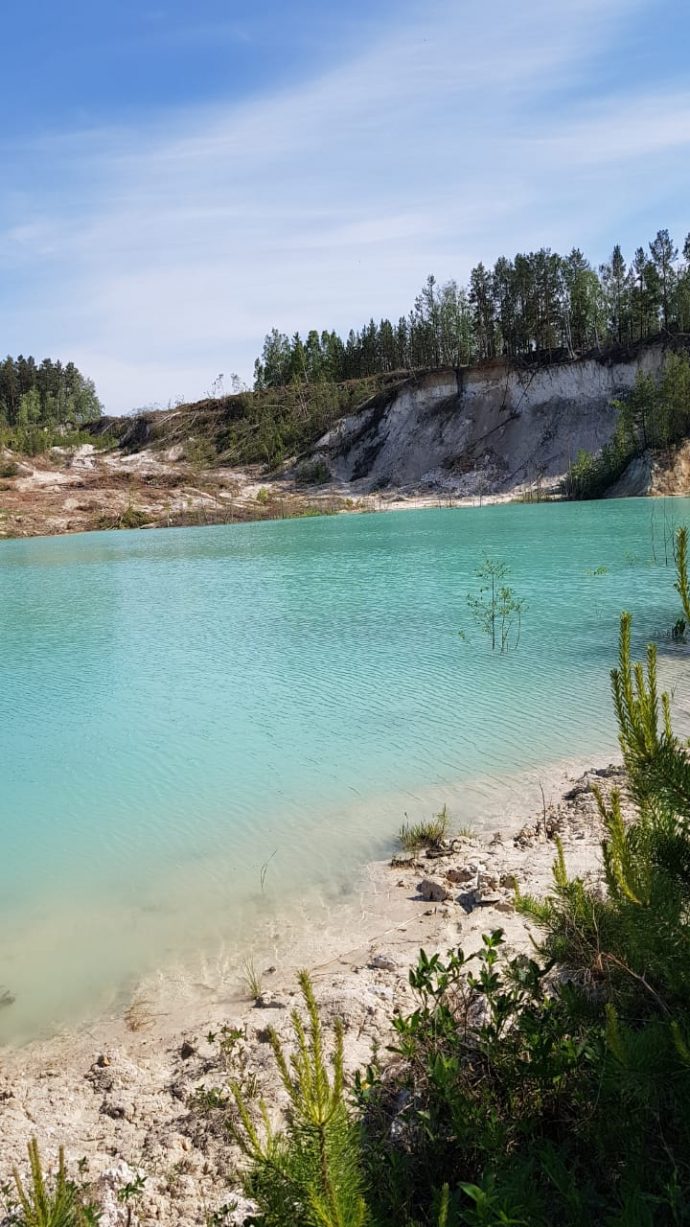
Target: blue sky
{"x": 178, "y": 177}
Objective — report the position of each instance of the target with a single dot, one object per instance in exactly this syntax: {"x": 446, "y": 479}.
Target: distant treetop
{"x": 48, "y": 394}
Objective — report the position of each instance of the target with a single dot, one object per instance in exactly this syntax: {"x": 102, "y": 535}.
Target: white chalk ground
{"x": 128, "y": 1092}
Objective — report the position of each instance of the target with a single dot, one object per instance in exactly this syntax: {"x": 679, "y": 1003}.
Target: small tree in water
{"x": 496, "y": 610}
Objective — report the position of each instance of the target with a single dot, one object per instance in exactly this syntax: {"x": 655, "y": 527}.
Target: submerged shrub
{"x": 496, "y": 609}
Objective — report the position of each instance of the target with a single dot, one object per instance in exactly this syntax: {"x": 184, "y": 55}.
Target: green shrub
{"x": 313, "y": 473}
{"x": 200, "y": 452}
{"x": 131, "y": 517}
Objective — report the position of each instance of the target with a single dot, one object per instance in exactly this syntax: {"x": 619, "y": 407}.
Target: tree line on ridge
{"x": 539, "y": 303}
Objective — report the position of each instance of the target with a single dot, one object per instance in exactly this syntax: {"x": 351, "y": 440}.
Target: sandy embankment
{"x": 143, "y": 1092}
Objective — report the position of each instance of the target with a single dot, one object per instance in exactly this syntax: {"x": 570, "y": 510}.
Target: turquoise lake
{"x": 180, "y": 708}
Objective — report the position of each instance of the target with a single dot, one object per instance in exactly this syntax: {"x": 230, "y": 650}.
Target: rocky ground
{"x": 83, "y": 489}
{"x": 141, "y": 1109}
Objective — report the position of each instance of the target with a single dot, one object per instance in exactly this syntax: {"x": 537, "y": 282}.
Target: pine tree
{"x": 482, "y": 301}
{"x": 311, "y": 1174}
{"x": 616, "y": 289}
{"x": 664, "y": 254}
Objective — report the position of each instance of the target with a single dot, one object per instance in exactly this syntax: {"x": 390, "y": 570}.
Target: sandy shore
{"x": 143, "y": 1091}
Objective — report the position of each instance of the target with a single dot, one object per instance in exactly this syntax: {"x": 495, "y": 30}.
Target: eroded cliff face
{"x": 491, "y": 429}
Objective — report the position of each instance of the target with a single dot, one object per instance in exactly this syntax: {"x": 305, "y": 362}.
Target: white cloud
{"x": 165, "y": 255}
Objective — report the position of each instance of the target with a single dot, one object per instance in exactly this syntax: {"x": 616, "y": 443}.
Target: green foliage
{"x": 655, "y": 414}
{"x": 251, "y": 978}
{"x": 39, "y": 1205}
{"x": 36, "y": 440}
{"x": 131, "y": 517}
{"x": 496, "y": 610}
{"x": 132, "y": 1190}
{"x": 486, "y": 1052}
{"x": 199, "y": 452}
{"x": 310, "y": 1175}
{"x": 48, "y": 395}
{"x": 206, "y": 1100}
{"x": 591, "y": 476}
{"x": 682, "y": 586}
{"x": 430, "y": 834}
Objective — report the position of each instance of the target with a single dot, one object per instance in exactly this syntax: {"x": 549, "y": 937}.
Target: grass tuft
{"x": 252, "y": 978}
{"x": 430, "y": 834}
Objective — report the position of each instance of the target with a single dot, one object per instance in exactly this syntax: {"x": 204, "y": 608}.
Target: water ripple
{"x": 176, "y": 705}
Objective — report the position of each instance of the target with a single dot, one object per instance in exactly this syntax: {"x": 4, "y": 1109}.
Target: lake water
{"x": 193, "y": 719}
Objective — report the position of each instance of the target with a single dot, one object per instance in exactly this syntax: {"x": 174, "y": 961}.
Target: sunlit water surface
{"x": 181, "y": 708}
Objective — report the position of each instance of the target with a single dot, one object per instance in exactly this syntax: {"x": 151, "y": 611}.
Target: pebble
{"x": 463, "y": 874}
{"x": 383, "y": 962}
{"x": 266, "y": 1001}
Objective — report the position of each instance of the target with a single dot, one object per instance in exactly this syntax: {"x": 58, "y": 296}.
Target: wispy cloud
{"x": 621, "y": 129}
{"x": 164, "y": 254}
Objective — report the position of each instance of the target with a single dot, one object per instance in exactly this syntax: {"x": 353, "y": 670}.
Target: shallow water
{"x": 180, "y": 708}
